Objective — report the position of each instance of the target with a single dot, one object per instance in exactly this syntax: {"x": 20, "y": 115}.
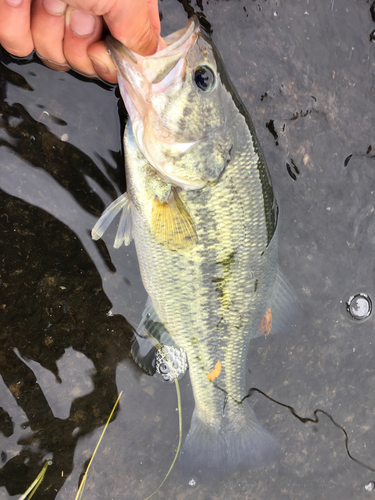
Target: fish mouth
{"x": 141, "y": 79}
{"x": 158, "y": 65}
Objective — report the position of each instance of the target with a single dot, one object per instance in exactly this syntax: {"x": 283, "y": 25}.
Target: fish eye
{"x": 204, "y": 78}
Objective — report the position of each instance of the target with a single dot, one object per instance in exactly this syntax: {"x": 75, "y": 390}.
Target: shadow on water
{"x": 307, "y": 74}
{"x": 53, "y": 306}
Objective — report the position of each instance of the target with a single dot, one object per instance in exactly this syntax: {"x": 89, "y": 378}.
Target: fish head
{"x": 179, "y": 108}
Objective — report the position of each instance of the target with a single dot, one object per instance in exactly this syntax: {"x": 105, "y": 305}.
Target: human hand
{"x": 69, "y": 34}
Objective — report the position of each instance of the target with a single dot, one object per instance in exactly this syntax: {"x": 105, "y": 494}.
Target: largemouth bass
{"x": 202, "y": 212}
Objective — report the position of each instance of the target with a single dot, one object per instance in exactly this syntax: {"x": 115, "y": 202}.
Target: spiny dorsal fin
{"x": 171, "y": 224}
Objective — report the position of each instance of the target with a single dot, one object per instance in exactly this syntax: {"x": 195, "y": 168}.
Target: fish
{"x": 201, "y": 209}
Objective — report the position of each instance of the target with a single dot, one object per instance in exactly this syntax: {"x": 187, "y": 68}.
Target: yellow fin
{"x": 171, "y": 224}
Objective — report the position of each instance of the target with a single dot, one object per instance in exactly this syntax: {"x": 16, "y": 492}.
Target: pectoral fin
{"x": 124, "y": 231}
{"x": 171, "y": 224}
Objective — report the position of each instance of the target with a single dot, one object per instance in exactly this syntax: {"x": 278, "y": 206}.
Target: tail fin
{"x": 210, "y": 452}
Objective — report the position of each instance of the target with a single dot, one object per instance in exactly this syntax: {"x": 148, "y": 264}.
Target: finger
{"x": 153, "y": 7}
{"x": 48, "y": 27}
{"x": 98, "y": 52}
{"x": 130, "y": 23}
{"x": 81, "y": 31}
{"x": 102, "y": 61}
{"x": 155, "y": 22}
{"x": 15, "y": 33}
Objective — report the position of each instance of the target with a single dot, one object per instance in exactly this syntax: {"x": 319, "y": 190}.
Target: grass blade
{"x": 83, "y": 482}
{"x": 35, "y": 485}
{"x": 179, "y": 438}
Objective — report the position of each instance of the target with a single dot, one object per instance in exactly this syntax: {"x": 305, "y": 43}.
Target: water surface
{"x": 306, "y": 72}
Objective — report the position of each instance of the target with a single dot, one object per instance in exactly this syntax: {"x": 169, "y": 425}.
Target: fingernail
{"x": 81, "y": 23}
{"x": 54, "y": 65}
{"x": 55, "y": 7}
{"x": 13, "y": 3}
{"x": 99, "y": 66}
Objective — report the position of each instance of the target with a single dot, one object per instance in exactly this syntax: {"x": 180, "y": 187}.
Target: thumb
{"x": 136, "y": 24}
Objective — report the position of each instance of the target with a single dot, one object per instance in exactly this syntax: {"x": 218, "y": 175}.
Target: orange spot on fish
{"x": 266, "y": 323}
{"x": 215, "y": 372}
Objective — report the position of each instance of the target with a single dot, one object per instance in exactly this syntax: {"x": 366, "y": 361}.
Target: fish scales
{"x": 203, "y": 218}
{"x": 231, "y": 240}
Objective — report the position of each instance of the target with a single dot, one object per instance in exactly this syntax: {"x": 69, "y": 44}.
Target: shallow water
{"x": 306, "y": 72}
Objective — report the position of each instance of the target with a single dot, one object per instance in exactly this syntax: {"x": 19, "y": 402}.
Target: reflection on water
{"x": 61, "y": 377}
{"x": 306, "y": 71}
